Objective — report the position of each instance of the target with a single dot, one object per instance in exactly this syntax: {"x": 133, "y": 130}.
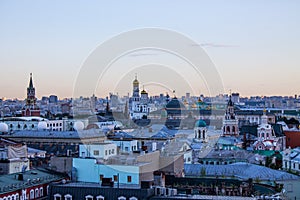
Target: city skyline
{"x": 172, "y": 94}
{"x": 253, "y": 45}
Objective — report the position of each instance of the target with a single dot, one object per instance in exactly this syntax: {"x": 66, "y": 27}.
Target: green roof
{"x": 200, "y": 123}
{"x": 10, "y": 182}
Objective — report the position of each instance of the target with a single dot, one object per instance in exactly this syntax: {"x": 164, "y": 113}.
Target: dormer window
{"x": 68, "y": 197}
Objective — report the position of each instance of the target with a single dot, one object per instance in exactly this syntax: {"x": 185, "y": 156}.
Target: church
{"x": 139, "y": 103}
{"x": 230, "y": 122}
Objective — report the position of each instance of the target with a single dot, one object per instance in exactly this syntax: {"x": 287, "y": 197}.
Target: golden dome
{"x": 135, "y": 81}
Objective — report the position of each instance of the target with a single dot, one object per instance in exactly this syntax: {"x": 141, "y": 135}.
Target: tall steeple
{"x": 30, "y": 81}
{"x": 136, "y": 90}
{"x": 31, "y": 100}
{"x": 230, "y": 122}
{"x": 31, "y": 108}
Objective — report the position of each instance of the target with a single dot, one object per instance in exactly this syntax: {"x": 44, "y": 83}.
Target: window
{"x": 17, "y": 196}
{"x": 36, "y": 193}
{"x": 32, "y": 194}
{"x": 47, "y": 189}
{"x": 41, "y": 192}
{"x": 57, "y": 197}
{"x": 109, "y": 152}
{"x": 100, "y": 197}
{"x": 96, "y": 152}
{"x": 121, "y": 198}
{"x": 68, "y": 197}
{"x": 129, "y": 179}
{"x": 115, "y": 178}
{"x": 113, "y": 151}
{"x": 106, "y": 152}
{"x": 89, "y": 197}
{"x": 133, "y": 198}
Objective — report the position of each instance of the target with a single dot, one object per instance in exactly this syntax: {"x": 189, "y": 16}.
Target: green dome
{"x": 200, "y": 123}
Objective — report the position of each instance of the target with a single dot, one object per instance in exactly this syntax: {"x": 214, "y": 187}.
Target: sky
{"x": 254, "y": 45}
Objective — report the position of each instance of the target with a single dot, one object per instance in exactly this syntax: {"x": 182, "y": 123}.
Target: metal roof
{"x": 239, "y": 170}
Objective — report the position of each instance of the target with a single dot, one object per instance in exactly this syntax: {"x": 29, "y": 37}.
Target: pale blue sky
{"x": 255, "y": 45}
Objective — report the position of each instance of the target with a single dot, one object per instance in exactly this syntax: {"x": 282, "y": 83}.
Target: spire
{"x": 135, "y": 82}
{"x": 230, "y": 103}
{"x": 30, "y": 81}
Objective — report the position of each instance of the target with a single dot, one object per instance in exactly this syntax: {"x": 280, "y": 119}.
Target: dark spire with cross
{"x": 30, "y": 81}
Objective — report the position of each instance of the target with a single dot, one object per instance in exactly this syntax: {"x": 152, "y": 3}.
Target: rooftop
{"x": 240, "y": 170}
{"x": 91, "y": 133}
{"x": 10, "y": 182}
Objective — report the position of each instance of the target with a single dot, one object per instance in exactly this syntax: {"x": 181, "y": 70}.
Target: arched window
{"x": 262, "y": 135}
{"x": 47, "y": 189}
{"x": 57, "y": 197}
{"x": 68, "y": 197}
{"x": 41, "y": 192}
{"x": 203, "y": 134}
{"x": 32, "y": 194}
{"x": 100, "y": 197}
{"x": 89, "y": 197}
{"x": 228, "y": 129}
{"x": 36, "y": 193}
{"x": 233, "y": 129}
{"x": 121, "y": 198}
{"x": 133, "y": 198}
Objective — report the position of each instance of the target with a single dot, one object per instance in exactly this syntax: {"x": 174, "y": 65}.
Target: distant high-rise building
{"x": 187, "y": 95}
{"x": 53, "y": 99}
{"x": 235, "y": 97}
{"x": 31, "y": 108}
